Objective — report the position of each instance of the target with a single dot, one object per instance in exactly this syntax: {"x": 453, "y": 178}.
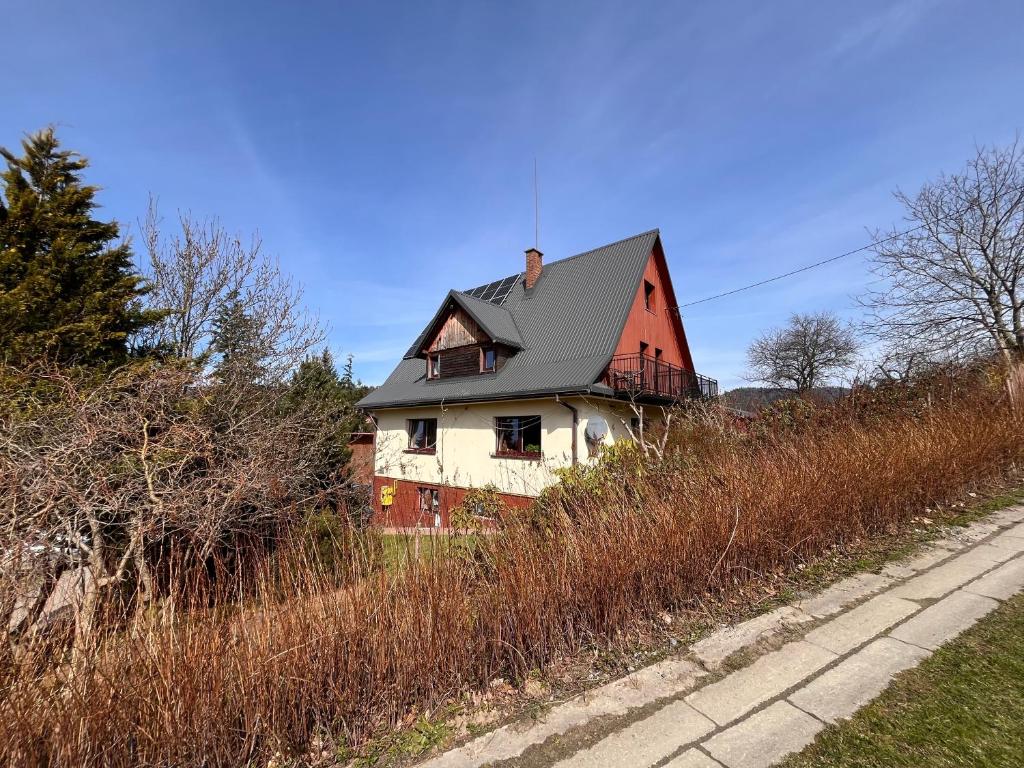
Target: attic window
{"x": 649, "y": 296}
{"x": 487, "y": 360}
{"x": 433, "y": 365}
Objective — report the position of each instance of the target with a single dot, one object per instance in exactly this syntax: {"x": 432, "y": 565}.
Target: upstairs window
{"x": 422, "y": 435}
{"x": 488, "y": 359}
{"x": 434, "y": 365}
{"x": 518, "y": 436}
{"x": 649, "y": 296}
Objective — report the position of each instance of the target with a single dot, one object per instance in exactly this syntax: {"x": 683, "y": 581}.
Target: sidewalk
{"x": 844, "y": 647}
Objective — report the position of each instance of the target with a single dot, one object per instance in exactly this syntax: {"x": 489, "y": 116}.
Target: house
{"x": 515, "y": 379}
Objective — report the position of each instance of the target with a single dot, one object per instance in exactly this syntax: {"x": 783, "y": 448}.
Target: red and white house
{"x": 516, "y": 379}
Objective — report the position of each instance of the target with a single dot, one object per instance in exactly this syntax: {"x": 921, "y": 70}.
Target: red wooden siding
{"x": 361, "y": 464}
{"x": 658, "y": 329}
{"x": 404, "y": 512}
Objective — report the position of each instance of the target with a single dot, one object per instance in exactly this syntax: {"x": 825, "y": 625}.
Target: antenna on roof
{"x": 536, "y": 208}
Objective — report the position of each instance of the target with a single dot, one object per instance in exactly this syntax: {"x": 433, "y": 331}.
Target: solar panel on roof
{"x": 495, "y": 292}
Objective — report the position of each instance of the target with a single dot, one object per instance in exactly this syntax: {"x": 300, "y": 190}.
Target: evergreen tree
{"x": 329, "y": 401}
{"x": 66, "y": 292}
{"x": 316, "y": 391}
{"x": 347, "y": 379}
{"x": 240, "y": 353}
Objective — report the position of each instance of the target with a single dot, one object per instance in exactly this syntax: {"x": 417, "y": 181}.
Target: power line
{"x": 816, "y": 264}
{"x": 801, "y": 269}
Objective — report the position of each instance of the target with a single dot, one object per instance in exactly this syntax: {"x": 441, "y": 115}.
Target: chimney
{"x": 534, "y": 265}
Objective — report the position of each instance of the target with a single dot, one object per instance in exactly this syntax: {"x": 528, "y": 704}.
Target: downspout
{"x": 575, "y": 426}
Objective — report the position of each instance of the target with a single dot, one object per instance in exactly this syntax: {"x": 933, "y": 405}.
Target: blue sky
{"x": 385, "y": 151}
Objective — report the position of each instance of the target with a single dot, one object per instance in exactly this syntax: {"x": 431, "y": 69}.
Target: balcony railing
{"x": 643, "y": 375}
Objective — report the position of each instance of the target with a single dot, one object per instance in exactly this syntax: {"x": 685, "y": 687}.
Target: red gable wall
{"x": 662, "y": 328}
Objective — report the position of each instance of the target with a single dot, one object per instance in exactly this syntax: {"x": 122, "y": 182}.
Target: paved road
{"x": 850, "y": 640}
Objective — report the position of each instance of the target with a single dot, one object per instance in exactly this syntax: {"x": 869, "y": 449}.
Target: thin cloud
{"x": 882, "y": 30}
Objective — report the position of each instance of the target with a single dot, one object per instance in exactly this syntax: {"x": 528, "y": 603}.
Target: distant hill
{"x": 755, "y": 398}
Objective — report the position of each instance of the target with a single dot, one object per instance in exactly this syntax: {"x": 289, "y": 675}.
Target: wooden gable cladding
{"x": 459, "y": 346}
{"x": 658, "y": 327}
{"x": 458, "y": 330}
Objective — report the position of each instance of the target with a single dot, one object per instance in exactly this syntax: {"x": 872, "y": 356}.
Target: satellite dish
{"x": 597, "y": 429}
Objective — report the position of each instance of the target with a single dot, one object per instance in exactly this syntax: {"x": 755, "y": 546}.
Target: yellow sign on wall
{"x": 387, "y": 495}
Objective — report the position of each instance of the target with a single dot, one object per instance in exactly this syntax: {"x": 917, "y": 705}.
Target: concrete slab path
{"x": 847, "y": 643}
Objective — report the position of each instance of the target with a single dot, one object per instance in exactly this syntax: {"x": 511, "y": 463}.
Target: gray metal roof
{"x": 568, "y": 326}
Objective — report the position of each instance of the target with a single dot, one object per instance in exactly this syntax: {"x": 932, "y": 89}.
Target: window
{"x": 518, "y": 436}
{"x": 487, "y": 360}
{"x": 430, "y": 506}
{"x": 422, "y": 435}
{"x": 648, "y": 296}
{"x": 434, "y": 365}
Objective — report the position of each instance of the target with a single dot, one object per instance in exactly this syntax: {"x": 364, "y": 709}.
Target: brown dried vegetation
{"x": 287, "y": 656}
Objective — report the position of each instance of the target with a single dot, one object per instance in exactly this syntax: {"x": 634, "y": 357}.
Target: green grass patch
{"x": 403, "y": 744}
{"x": 987, "y": 506}
{"x": 397, "y": 550}
{"x": 964, "y": 706}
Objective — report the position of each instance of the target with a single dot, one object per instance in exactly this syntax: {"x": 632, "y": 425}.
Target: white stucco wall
{"x": 466, "y": 443}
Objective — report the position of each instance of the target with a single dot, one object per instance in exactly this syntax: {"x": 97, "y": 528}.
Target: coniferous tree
{"x": 329, "y": 400}
{"x": 347, "y": 377}
{"x": 67, "y": 292}
{"x": 240, "y": 353}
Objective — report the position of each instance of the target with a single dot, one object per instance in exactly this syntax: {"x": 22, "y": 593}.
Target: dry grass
{"x": 307, "y": 667}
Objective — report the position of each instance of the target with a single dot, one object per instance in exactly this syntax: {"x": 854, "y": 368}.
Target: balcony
{"x": 644, "y": 376}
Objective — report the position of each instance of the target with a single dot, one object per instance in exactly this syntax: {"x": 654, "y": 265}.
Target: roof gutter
{"x": 575, "y": 426}
{"x": 586, "y": 389}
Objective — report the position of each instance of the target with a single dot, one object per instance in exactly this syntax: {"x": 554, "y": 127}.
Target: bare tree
{"x": 108, "y": 482}
{"x": 805, "y": 354}
{"x": 952, "y": 281}
{"x": 638, "y": 427}
{"x": 200, "y": 273}
{"x": 904, "y": 359}
{"x": 899, "y": 363}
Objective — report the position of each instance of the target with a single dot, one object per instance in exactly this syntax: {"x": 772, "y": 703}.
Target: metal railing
{"x": 640, "y": 375}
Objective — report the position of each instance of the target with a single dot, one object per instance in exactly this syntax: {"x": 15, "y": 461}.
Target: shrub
{"x": 480, "y": 509}
{"x": 144, "y": 482}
